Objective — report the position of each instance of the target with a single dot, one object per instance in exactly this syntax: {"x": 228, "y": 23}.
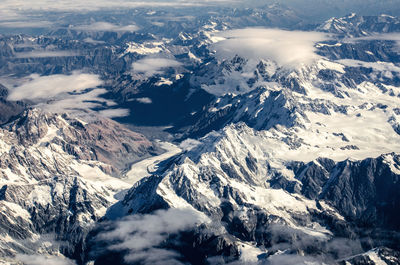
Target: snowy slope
{"x": 294, "y": 165}
{"x": 57, "y": 178}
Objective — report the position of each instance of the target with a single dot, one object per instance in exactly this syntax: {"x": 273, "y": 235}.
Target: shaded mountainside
{"x": 322, "y": 210}
{"x": 58, "y": 178}
{"x": 280, "y": 165}
{"x": 279, "y": 171}
{"x": 8, "y": 109}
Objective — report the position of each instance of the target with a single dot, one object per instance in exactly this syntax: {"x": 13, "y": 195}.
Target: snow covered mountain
{"x": 271, "y": 209}
{"x": 288, "y": 140}
{"x": 58, "y": 177}
{"x": 289, "y": 165}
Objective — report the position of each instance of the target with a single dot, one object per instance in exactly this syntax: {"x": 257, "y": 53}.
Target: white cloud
{"x": 286, "y": 48}
{"x": 141, "y": 235}
{"x": 82, "y": 105}
{"x": 26, "y": 24}
{"x": 290, "y": 259}
{"x": 152, "y": 66}
{"x": 385, "y": 36}
{"x": 144, "y": 100}
{"x": 50, "y": 86}
{"x": 92, "y": 41}
{"x": 79, "y": 5}
{"x": 377, "y": 66}
{"x": 7, "y": 14}
{"x": 74, "y": 103}
{"x": 105, "y": 26}
{"x": 114, "y": 113}
{"x": 189, "y": 144}
{"x": 42, "y": 259}
{"x": 45, "y": 54}
{"x": 75, "y": 93}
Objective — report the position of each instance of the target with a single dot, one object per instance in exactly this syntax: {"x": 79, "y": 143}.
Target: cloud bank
{"x": 45, "y": 54}
{"x": 50, "y": 86}
{"x": 114, "y": 113}
{"x": 144, "y": 100}
{"x": 77, "y": 93}
{"x": 105, "y": 26}
{"x": 93, "y": 5}
{"x": 41, "y": 259}
{"x": 286, "y": 48}
{"x": 152, "y": 66}
{"x": 141, "y": 235}
{"x": 384, "y": 37}
{"x": 25, "y": 24}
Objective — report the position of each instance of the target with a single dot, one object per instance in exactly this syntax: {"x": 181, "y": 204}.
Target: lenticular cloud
{"x": 286, "y": 48}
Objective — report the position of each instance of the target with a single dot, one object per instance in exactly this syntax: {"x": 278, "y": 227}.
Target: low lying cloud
{"x": 83, "y": 104}
{"x": 105, "y": 26}
{"x": 77, "y": 93}
{"x": 45, "y": 54}
{"x": 376, "y": 66}
{"x": 286, "y": 48}
{"x": 152, "y": 66}
{"x": 92, "y": 41}
{"x": 141, "y": 235}
{"x": 286, "y": 241}
{"x": 114, "y": 113}
{"x": 144, "y": 100}
{"x": 385, "y": 37}
{"x": 93, "y": 5}
{"x": 189, "y": 144}
{"x": 49, "y": 86}
{"x": 292, "y": 260}
{"x": 42, "y": 259}
{"x": 26, "y": 24}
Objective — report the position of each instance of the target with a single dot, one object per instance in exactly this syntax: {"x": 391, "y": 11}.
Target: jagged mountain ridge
{"x": 58, "y": 178}
{"x": 261, "y": 176}
{"x": 259, "y": 179}
{"x": 229, "y": 178}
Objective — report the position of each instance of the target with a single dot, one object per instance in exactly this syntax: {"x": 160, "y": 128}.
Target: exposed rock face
{"x": 296, "y": 207}
{"x": 375, "y": 256}
{"x": 293, "y": 165}
{"x": 355, "y": 25}
{"x": 57, "y": 179}
{"x": 8, "y": 109}
{"x": 367, "y": 191}
{"x": 102, "y": 139}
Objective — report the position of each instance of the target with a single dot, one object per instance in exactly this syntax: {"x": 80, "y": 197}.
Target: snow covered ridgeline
{"x": 270, "y": 187}
{"x": 318, "y": 103}
{"x": 256, "y": 198}
{"x": 57, "y": 178}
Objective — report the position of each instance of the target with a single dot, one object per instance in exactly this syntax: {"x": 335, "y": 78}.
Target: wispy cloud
{"x": 114, "y": 113}
{"x": 105, "y": 26}
{"x": 45, "y": 54}
{"x": 77, "y": 5}
{"x": 376, "y": 66}
{"x": 287, "y": 259}
{"x": 286, "y": 240}
{"x": 50, "y": 86}
{"x": 152, "y": 66}
{"x": 385, "y": 36}
{"x": 42, "y": 259}
{"x": 26, "y": 24}
{"x": 92, "y": 41}
{"x": 78, "y": 93}
{"x": 144, "y": 100}
{"x": 141, "y": 235}
{"x": 287, "y": 48}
